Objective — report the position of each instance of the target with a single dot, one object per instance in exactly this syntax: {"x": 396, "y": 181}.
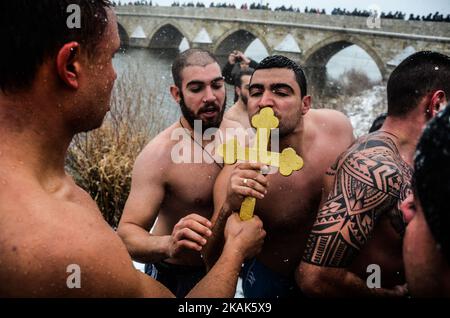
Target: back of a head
{"x": 418, "y": 75}
{"x": 191, "y": 57}
{"x": 35, "y": 30}
{"x": 280, "y": 61}
{"x": 432, "y": 178}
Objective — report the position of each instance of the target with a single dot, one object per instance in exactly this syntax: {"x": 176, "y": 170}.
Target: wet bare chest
{"x": 291, "y": 202}
{"x": 190, "y": 186}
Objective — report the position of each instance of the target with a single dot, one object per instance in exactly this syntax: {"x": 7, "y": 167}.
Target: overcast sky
{"x": 407, "y": 6}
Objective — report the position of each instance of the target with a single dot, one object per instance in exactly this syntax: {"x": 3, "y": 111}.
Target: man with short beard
{"x": 173, "y": 195}
{"x": 238, "y": 112}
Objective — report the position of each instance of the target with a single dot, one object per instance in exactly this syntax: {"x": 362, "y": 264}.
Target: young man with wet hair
{"x": 287, "y": 205}
{"x": 176, "y": 197}
{"x": 56, "y": 81}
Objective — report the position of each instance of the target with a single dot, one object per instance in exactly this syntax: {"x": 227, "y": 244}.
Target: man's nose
{"x": 266, "y": 100}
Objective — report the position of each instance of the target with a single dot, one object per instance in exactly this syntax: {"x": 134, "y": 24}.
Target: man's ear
{"x": 306, "y": 101}
{"x": 436, "y": 102}
{"x": 175, "y": 92}
{"x": 68, "y": 64}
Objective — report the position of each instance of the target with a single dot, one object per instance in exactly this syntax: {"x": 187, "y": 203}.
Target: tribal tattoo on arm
{"x": 371, "y": 179}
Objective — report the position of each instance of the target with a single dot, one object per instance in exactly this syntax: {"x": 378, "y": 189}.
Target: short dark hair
{"x": 415, "y": 77}
{"x": 242, "y": 72}
{"x": 280, "y": 61}
{"x": 431, "y": 179}
{"x": 191, "y": 57}
{"x": 33, "y": 31}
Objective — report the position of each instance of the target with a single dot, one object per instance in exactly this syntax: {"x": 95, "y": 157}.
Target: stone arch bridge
{"x": 309, "y": 39}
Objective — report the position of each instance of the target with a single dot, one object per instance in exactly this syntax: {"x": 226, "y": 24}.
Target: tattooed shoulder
{"x": 370, "y": 179}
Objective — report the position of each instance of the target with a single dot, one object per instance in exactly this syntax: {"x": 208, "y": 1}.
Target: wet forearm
{"x": 144, "y": 247}
{"x": 221, "y": 280}
{"x": 213, "y": 249}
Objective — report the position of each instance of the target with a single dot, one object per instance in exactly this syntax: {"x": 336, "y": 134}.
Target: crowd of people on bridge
{"x": 436, "y": 17}
{"x": 398, "y": 15}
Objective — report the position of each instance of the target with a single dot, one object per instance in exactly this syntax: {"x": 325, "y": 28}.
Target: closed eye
{"x": 195, "y": 89}
{"x": 255, "y": 93}
{"x": 217, "y": 85}
{"x": 280, "y": 93}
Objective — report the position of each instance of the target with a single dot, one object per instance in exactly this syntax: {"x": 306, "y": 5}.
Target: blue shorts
{"x": 258, "y": 281}
{"x": 179, "y": 279}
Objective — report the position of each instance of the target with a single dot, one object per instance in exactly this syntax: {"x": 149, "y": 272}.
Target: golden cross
{"x": 287, "y": 161}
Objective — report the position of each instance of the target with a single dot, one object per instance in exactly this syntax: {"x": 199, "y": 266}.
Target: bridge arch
{"x": 320, "y": 53}
{"x": 317, "y": 57}
{"x": 237, "y": 39}
{"x": 167, "y": 35}
{"x": 124, "y": 37}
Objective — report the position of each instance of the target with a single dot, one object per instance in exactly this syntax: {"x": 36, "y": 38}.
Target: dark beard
{"x": 191, "y": 116}
{"x": 244, "y": 100}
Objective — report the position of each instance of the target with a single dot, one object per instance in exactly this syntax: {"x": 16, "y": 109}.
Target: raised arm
{"x": 366, "y": 186}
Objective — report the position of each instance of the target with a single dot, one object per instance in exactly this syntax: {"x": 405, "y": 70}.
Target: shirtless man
{"x": 238, "y": 112}
{"x": 426, "y": 246}
{"x": 53, "y": 239}
{"x": 360, "y": 222}
{"x": 178, "y": 192}
{"x": 290, "y": 204}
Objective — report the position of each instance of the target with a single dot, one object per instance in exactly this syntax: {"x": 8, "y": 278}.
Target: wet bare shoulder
{"x": 157, "y": 152}
{"x": 332, "y": 122}
{"x": 230, "y": 129}
{"x": 370, "y": 180}
{"x": 45, "y": 241}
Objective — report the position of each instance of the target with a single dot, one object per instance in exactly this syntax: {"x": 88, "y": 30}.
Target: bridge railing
{"x": 352, "y": 22}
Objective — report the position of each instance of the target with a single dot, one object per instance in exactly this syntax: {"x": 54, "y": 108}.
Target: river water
{"x": 144, "y": 78}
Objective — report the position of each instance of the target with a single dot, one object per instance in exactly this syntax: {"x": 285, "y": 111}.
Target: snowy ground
{"x": 363, "y": 109}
